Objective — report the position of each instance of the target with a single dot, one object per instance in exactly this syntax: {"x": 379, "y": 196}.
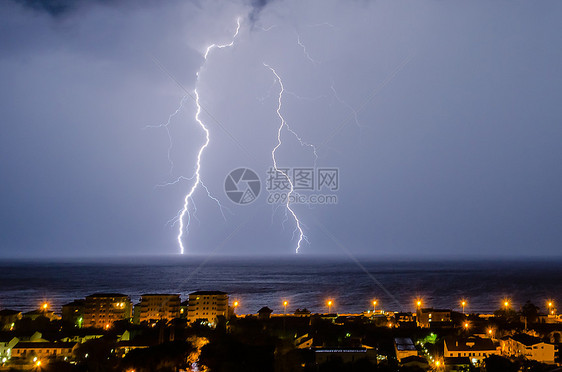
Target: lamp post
{"x": 463, "y": 304}
{"x": 330, "y": 303}
{"x": 550, "y": 305}
{"x": 375, "y": 306}
{"x": 235, "y": 305}
{"x": 285, "y": 303}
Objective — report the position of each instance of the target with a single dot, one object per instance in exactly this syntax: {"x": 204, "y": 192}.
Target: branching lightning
{"x": 184, "y": 212}
{"x": 304, "y": 49}
{"x": 298, "y": 228}
{"x": 166, "y": 126}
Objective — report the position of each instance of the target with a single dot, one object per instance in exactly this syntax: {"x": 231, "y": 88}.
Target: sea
{"x": 305, "y": 282}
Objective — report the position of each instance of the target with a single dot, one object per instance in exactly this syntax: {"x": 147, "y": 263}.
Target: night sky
{"x": 443, "y": 118}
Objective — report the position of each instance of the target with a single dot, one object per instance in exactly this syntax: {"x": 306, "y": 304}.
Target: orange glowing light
{"x": 45, "y": 306}
{"x": 236, "y": 303}
{"x": 285, "y": 303}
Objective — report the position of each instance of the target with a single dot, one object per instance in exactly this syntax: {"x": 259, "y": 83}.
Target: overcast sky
{"x": 442, "y": 117}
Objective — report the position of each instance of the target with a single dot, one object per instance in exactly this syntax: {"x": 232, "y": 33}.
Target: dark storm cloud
{"x": 57, "y": 7}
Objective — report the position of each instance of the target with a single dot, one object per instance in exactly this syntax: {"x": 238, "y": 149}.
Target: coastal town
{"x": 205, "y": 332}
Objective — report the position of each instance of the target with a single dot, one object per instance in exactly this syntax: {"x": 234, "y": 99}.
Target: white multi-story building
{"x": 207, "y": 305}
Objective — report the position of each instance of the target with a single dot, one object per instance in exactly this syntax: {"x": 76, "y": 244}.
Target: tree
{"x": 495, "y": 363}
{"x": 530, "y": 312}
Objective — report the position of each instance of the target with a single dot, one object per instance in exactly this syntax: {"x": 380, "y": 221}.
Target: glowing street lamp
{"x": 506, "y": 304}
{"x": 418, "y": 303}
{"x": 550, "y": 305}
{"x": 375, "y": 306}
{"x": 45, "y": 306}
{"x": 235, "y": 305}
{"x": 285, "y": 303}
{"x": 329, "y": 303}
{"x": 490, "y": 332}
{"x": 466, "y": 326}
{"x": 463, "y": 304}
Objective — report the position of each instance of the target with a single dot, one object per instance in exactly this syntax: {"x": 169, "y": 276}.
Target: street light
{"x": 466, "y": 325}
{"x": 550, "y": 306}
{"x": 463, "y": 304}
{"x": 506, "y": 304}
{"x": 285, "y": 303}
{"x": 419, "y": 303}
{"x": 330, "y": 303}
{"x": 375, "y": 306}
{"x": 45, "y": 306}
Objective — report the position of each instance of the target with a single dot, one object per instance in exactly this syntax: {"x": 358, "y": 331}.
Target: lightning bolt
{"x": 304, "y": 50}
{"x": 283, "y": 124}
{"x": 166, "y": 126}
{"x": 183, "y": 226}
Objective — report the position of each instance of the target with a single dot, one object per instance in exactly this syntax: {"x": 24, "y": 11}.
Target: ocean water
{"x": 303, "y": 281}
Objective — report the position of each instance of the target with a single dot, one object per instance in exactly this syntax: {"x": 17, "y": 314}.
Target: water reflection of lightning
{"x": 183, "y": 226}
{"x": 298, "y": 226}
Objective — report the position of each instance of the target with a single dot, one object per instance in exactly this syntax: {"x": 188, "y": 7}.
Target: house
{"x": 475, "y": 348}
{"x": 429, "y": 317}
{"x": 404, "y": 319}
{"x": 530, "y": 347}
{"x": 404, "y": 348}
{"x": 43, "y": 349}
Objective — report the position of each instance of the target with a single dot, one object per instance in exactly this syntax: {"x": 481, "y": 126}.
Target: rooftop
{"x": 208, "y": 293}
{"x": 469, "y": 344}
{"x": 404, "y": 343}
{"x": 105, "y": 295}
{"x": 526, "y": 339}
{"x": 44, "y": 345}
